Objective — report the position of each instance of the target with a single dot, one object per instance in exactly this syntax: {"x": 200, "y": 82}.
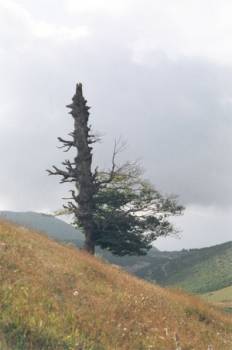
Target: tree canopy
{"x": 129, "y": 213}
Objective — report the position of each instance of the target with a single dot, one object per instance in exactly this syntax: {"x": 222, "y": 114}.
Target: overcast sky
{"x": 157, "y": 73}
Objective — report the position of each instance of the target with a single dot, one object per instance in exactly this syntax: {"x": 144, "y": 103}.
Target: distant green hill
{"x": 195, "y": 270}
{"x": 52, "y": 226}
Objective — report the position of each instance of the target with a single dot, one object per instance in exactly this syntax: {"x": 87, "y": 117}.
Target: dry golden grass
{"x": 56, "y": 297}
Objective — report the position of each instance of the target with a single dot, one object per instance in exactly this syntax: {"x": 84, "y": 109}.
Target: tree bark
{"x": 83, "y": 162}
{"x": 79, "y": 171}
{"x": 89, "y": 245}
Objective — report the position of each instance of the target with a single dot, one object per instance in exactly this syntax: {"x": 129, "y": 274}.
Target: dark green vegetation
{"x": 55, "y": 297}
{"x": 197, "y": 270}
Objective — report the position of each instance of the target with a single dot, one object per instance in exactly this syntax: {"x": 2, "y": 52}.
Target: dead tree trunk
{"x": 83, "y": 162}
{"x": 80, "y": 170}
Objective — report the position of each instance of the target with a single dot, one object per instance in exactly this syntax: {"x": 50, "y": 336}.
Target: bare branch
{"x": 58, "y": 171}
{"x": 71, "y": 170}
{"x": 93, "y": 138}
{"x": 68, "y": 176}
{"x": 66, "y": 144}
{"x": 71, "y": 207}
{"x": 119, "y": 146}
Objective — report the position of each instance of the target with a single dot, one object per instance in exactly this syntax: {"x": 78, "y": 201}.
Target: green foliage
{"x": 129, "y": 214}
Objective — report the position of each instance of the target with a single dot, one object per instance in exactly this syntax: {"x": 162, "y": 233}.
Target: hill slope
{"x": 62, "y": 231}
{"x": 56, "y": 297}
{"x": 221, "y": 297}
{"x": 48, "y": 224}
{"x": 196, "y": 270}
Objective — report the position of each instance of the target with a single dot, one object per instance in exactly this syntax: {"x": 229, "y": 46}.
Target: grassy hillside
{"x": 195, "y": 270}
{"x": 222, "y": 298}
{"x": 56, "y": 297}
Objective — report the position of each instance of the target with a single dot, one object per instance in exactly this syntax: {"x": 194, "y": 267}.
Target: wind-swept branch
{"x": 108, "y": 176}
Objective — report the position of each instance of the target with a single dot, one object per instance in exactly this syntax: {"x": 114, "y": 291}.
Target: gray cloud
{"x": 176, "y": 113}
